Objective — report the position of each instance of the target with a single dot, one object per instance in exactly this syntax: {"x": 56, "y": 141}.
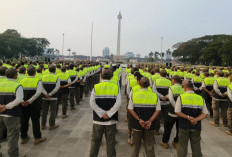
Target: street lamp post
{"x": 63, "y": 46}
{"x": 162, "y": 48}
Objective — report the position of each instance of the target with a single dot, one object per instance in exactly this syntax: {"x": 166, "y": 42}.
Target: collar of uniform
{"x": 176, "y": 84}
{"x": 31, "y": 76}
{"x": 221, "y": 77}
{"x": 142, "y": 89}
{"x": 2, "y": 76}
{"x": 21, "y": 74}
{"x": 157, "y": 73}
{"x": 163, "y": 77}
{"x": 53, "y": 73}
{"x": 12, "y": 79}
{"x": 105, "y": 81}
{"x": 190, "y": 91}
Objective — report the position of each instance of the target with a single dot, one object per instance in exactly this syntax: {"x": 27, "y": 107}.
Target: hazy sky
{"x": 144, "y": 22}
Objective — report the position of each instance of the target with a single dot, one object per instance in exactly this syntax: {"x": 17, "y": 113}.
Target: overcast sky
{"x": 144, "y": 22}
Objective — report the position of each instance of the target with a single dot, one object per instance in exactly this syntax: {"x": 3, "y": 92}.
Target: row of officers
{"x": 32, "y": 95}
{"x": 180, "y": 101}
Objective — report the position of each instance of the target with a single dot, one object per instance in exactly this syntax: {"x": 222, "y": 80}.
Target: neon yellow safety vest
{"x": 209, "y": 81}
{"x": 144, "y": 98}
{"x": 163, "y": 82}
{"x": 29, "y": 83}
{"x": 106, "y": 89}
{"x": 223, "y": 82}
{"x": 49, "y": 78}
{"x": 191, "y": 99}
{"x": 63, "y": 76}
{"x": 2, "y": 78}
{"x": 177, "y": 90}
{"x": 197, "y": 79}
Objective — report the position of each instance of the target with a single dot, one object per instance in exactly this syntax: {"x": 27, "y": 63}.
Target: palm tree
{"x": 156, "y": 54}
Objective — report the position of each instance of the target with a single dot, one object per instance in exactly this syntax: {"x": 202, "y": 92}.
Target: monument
{"x": 119, "y": 57}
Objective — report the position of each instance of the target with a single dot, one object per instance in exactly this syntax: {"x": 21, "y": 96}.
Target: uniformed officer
{"x": 65, "y": 82}
{"x": 105, "y": 101}
{"x": 219, "y": 100}
{"x": 191, "y": 109}
{"x": 3, "y": 73}
{"x": 22, "y": 72}
{"x": 229, "y": 111}
{"x": 144, "y": 106}
{"x": 161, "y": 87}
{"x": 174, "y": 91}
{"x": 74, "y": 77}
{"x": 11, "y": 95}
{"x": 32, "y": 88}
{"x": 51, "y": 84}
{"x": 207, "y": 86}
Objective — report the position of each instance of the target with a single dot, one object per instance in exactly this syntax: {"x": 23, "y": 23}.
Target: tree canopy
{"x": 208, "y": 50}
{"x": 12, "y": 44}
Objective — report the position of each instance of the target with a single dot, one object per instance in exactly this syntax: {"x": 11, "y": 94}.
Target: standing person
{"x": 174, "y": 91}
{"x": 51, "y": 84}
{"x": 161, "y": 87}
{"x": 219, "y": 100}
{"x": 74, "y": 77}
{"x": 11, "y": 95}
{"x": 144, "y": 106}
{"x": 197, "y": 83}
{"x": 191, "y": 109}
{"x": 207, "y": 86}
{"x": 32, "y": 89}
{"x": 3, "y": 73}
{"x": 229, "y": 111}
{"x": 22, "y": 72}
{"x": 65, "y": 82}
{"x": 105, "y": 101}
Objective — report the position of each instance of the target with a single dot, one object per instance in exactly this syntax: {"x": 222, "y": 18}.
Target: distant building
{"x": 129, "y": 55}
{"x": 106, "y": 52}
{"x": 138, "y": 55}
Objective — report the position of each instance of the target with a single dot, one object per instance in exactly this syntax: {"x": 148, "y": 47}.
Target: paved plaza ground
{"x": 73, "y": 138}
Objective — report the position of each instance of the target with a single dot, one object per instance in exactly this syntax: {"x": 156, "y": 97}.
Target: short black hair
{"x": 39, "y": 70}
{"x": 31, "y": 70}
{"x": 22, "y": 69}
{"x": 106, "y": 74}
{"x": 188, "y": 84}
{"x": 52, "y": 68}
{"x": 10, "y": 73}
{"x": 144, "y": 82}
{"x": 177, "y": 79}
{"x": 3, "y": 71}
{"x": 63, "y": 69}
{"x": 163, "y": 73}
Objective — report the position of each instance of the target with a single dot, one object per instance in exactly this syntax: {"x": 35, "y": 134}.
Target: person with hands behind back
{"x": 191, "y": 109}
{"x": 144, "y": 105}
{"x": 105, "y": 101}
